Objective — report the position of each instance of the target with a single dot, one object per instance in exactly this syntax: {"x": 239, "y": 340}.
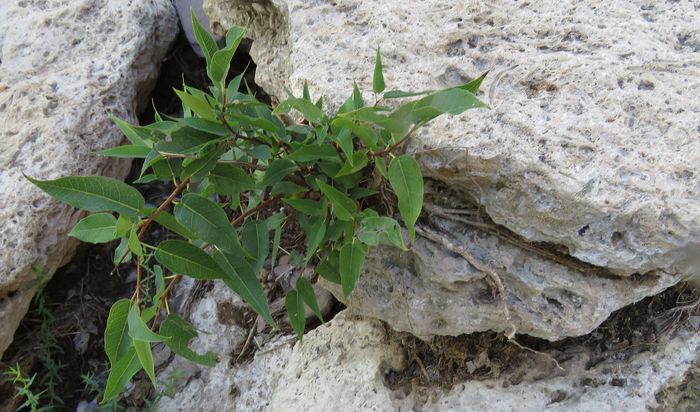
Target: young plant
{"x": 242, "y": 170}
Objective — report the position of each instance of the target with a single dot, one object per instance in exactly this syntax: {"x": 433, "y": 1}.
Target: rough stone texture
{"x": 342, "y": 365}
{"x": 593, "y": 129}
{"x": 63, "y": 66}
{"x": 431, "y": 291}
{"x": 589, "y": 143}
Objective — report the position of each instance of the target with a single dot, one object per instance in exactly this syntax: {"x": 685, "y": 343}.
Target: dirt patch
{"x": 445, "y": 361}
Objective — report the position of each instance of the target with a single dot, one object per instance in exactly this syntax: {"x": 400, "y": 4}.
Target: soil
{"x": 447, "y": 360}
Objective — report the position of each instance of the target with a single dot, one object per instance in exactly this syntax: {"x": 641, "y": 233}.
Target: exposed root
{"x": 485, "y": 268}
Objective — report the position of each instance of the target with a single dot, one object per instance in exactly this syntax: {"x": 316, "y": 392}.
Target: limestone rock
{"x": 588, "y": 144}
{"x": 430, "y": 290}
{"x": 592, "y": 134}
{"x": 63, "y": 67}
{"x": 342, "y": 366}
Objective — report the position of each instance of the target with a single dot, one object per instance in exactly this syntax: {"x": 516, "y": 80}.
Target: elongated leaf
{"x": 307, "y": 294}
{"x": 181, "y": 333}
{"x": 120, "y": 373}
{"x": 138, "y": 330}
{"x": 123, "y": 224}
{"x": 97, "y": 228}
{"x": 241, "y": 277}
{"x": 221, "y": 60}
{"x": 126, "y": 151}
{"x": 352, "y": 258}
{"x": 358, "y": 162}
{"x": 189, "y": 260}
{"x": 199, "y": 168}
{"x": 255, "y": 238}
{"x": 94, "y": 193}
{"x": 199, "y": 106}
{"x": 398, "y": 94}
{"x": 357, "y": 97}
{"x": 314, "y": 236}
{"x": 143, "y": 352}
{"x": 378, "y": 78}
{"x": 204, "y": 39}
{"x": 116, "y": 336}
{"x": 296, "y": 312}
{"x": 343, "y": 207}
{"x": 344, "y": 140}
{"x": 311, "y": 152}
{"x": 230, "y": 180}
{"x": 169, "y": 222}
{"x": 381, "y": 229}
{"x": 307, "y": 207}
{"x": 134, "y": 243}
{"x": 473, "y": 86}
{"x": 188, "y": 140}
{"x": 329, "y": 268}
{"x": 121, "y": 249}
{"x": 277, "y": 171}
{"x": 407, "y": 182}
{"x": 310, "y": 111}
{"x": 137, "y": 135}
{"x": 207, "y": 220}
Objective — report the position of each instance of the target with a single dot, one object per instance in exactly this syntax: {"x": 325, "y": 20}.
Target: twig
{"x": 154, "y": 215}
{"x": 397, "y": 144}
{"x": 435, "y": 237}
{"x": 163, "y": 300}
{"x": 257, "y": 208}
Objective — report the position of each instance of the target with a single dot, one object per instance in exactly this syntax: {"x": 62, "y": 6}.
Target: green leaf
{"x": 187, "y": 140}
{"x": 398, "y": 94}
{"x": 126, "y": 151}
{"x": 199, "y": 106}
{"x": 230, "y": 180}
{"x": 407, "y": 182}
{"x": 97, "y": 228}
{"x": 255, "y": 238}
{"x": 218, "y": 66}
{"x": 94, "y": 193}
{"x": 352, "y": 258}
{"x": 307, "y": 207}
{"x": 380, "y": 167}
{"x": 329, "y": 268}
{"x": 344, "y": 140}
{"x": 123, "y": 224}
{"x": 168, "y": 221}
{"x": 134, "y": 243}
{"x": 120, "y": 373}
{"x": 315, "y": 233}
{"x": 181, "y": 333}
{"x": 138, "y": 136}
{"x": 378, "y": 78}
{"x": 120, "y": 250}
{"x": 207, "y": 220}
{"x": 116, "y": 337}
{"x": 381, "y": 229}
{"x": 358, "y": 162}
{"x": 189, "y": 260}
{"x": 138, "y": 330}
{"x": 241, "y": 277}
{"x": 286, "y": 188}
{"x": 343, "y": 207}
{"x": 306, "y": 291}
{"x": 357, "y": 99}
{"x": 312, "y": 152}
{"x": 310, "y": 111}
{"x": 296, "y": 312}
{"x": 204, "y": 39}
{"x": 275, "y": 242}
{"x": 277, "y": 171}
{"x": 199, "y": 168}
{"x": 473, "y": 86}
{"x": 143, "y": 352}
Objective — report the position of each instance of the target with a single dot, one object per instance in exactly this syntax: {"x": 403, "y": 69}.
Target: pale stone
{"x": 593, "y": 126}
{"x": 342, "y": 364}
{"x": 588, "y": 145}
{"x": 64, "y": 65}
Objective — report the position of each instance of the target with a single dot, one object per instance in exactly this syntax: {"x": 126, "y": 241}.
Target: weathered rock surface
{"x": 63, "y": 66}
{"x": 588, "y": 143}
{"x": 430, "y": 290}
{"x": 342, "y": 366}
